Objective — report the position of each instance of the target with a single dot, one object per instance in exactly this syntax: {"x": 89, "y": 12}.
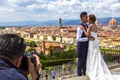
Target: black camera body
{"x": 24, "y": 62}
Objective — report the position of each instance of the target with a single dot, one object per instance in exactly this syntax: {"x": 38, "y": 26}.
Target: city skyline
{"x": 43, "y": 10}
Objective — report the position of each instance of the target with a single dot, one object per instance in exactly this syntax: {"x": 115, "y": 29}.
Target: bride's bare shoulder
{"x": 95, "y": 28}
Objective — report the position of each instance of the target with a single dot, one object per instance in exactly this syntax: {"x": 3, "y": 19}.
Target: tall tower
{"x": 60, "y": 27}
{"x": 60, "y": 23}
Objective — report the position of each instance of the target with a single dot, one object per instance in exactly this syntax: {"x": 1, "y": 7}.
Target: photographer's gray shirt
{"x": 9, "y": 73}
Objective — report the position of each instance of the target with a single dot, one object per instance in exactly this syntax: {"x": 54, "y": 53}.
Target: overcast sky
{"x": 41, "y": 10}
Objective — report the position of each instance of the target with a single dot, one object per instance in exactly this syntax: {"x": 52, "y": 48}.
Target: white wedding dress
{"x": 96, "y": 67}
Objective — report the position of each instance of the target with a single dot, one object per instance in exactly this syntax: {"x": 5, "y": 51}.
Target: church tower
{"x": 60, "y": 23}
{"x": 60, "y": 28}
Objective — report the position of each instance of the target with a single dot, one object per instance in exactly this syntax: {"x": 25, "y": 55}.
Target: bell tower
{"x": 60, "y": 23}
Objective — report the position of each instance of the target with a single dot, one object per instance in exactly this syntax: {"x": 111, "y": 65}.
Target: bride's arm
{"x": 87, "y": 33}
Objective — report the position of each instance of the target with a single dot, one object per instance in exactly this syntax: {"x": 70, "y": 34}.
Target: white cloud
{"x": 115, "y": 6}
{"x": 36, "y": 6}
{"x": 16, "y": 10}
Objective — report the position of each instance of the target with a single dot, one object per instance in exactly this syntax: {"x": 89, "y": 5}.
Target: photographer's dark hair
{"x": 11, "y": 46}
{"x": 83, "y": 14}
{"x": 92, "y": 18}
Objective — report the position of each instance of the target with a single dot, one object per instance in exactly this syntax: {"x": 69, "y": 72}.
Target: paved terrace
{"x": 115, "y": 67}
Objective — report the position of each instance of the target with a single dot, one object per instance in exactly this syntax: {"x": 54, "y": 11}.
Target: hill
{"x": 102, "y": 21}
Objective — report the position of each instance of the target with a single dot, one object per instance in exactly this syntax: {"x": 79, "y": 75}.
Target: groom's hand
{"x": 91, "y": 38}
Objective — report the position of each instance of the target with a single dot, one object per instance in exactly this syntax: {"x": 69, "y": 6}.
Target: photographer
{"x": 12, "y": 49}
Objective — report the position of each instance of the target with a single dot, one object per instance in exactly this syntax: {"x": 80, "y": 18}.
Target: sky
{"x": 43, "y": 10}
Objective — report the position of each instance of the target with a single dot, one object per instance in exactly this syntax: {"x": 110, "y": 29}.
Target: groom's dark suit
{"x": 82, "y": 49}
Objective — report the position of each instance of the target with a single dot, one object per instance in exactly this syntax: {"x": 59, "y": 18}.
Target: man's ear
{"x": 17, "y": 62}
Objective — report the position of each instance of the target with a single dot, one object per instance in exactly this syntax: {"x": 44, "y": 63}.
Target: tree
{"x": 32, "y": 45}
{"x": 51, "y": 51}
{"x": 71, "y": 47}
{"x": 54, "y": 38}
{"x": 42, "y": 56}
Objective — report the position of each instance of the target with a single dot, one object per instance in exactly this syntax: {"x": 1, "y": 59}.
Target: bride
{"x": 96, "y": 67}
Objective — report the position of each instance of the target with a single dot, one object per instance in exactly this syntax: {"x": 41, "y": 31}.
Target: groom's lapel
{"x": 86, "y": 27}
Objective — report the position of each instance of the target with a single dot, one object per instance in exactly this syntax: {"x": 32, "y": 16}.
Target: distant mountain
{"x": 29, "y": 23}
{"x": 101, "y": 21}
{"x": 72, "y": 22}
{"x": 106, "y": 20}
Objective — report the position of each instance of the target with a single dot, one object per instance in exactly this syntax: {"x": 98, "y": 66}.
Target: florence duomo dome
{"x": 113, "y": 23}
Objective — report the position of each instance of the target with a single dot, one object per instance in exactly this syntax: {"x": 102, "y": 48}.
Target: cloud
{"x": 40, "y": 10}
{"x": 115, "y": 6}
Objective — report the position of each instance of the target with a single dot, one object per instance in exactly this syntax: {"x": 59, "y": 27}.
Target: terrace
{"x": 110, "y": 55}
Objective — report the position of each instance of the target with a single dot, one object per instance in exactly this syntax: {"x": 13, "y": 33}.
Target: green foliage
{"x": 54, "y": 38}
{"x": 58, "y": 58}
{"x": 42, "y": 56}
{"x": 71, "y": 47}
{"x": 68, "y": 54}
{"x": 54, "y": 62}
{"x": 110, "y": 50}
{"x": 60, "y": 55}
{"x": 31, "y": 44}
{"x": 108, "y": 57}
{"x": 29, "y": 50}
{"x": 51, "y": 51}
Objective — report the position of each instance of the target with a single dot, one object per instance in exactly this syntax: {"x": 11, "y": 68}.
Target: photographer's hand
{"x": 32, "y": 69}
{"x": 38, "y": 64}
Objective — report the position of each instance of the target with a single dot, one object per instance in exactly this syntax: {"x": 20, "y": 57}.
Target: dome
{"x": 113, "y": 21}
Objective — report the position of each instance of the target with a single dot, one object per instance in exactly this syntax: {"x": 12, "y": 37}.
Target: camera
{"x": 24, "y": 63}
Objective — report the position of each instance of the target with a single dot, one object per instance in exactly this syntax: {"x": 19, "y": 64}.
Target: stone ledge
{"x": 74, "y": 77}
{"x": 78, "y": 78}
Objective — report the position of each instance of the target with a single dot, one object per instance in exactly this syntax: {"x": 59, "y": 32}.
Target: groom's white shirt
{"x": 79, "y": 34}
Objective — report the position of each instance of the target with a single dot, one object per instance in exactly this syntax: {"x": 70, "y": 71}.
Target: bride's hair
{"x": 92, "y": 18}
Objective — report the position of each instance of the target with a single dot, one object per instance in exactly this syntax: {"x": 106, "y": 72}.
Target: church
{"x": 113, "y": 23}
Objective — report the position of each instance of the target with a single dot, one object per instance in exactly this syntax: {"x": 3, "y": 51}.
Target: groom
{"x": 82, "y": 45}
